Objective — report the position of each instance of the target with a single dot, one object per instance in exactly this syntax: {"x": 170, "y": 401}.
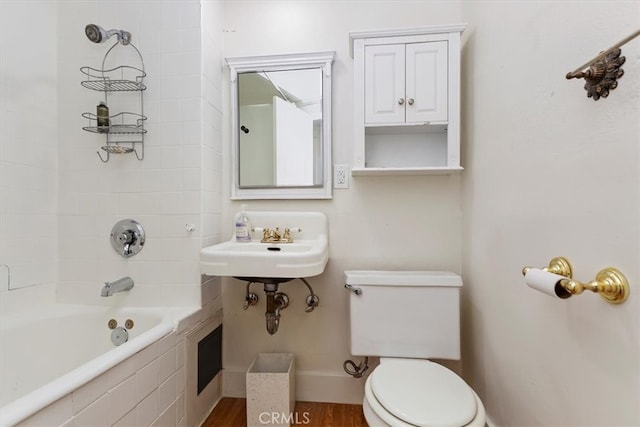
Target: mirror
{"x": 281, "y": 126}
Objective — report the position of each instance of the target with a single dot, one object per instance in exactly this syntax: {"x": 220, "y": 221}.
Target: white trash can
{"x": 271, "y": 390}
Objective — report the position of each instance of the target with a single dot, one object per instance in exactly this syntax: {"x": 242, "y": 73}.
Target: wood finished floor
{"x": 231, "y": 412}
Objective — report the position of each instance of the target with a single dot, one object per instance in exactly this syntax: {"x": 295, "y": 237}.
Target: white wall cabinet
{"x": 406, "y": 83}
{"x": 407, "y": 101}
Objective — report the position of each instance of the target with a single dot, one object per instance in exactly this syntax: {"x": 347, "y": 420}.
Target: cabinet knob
{"x": 401, "y": 101}
{"x": 410, "y": 101}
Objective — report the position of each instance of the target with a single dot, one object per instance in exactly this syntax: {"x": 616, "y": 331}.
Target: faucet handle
{"x": 286, "y": 237}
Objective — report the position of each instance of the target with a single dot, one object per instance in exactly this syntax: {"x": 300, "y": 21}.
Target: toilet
{"x": 407, "y": 318}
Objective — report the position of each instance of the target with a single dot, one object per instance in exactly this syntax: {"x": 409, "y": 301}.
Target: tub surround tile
{"x": 168, "y": 417}
{"x": 180, "y": 349}
{"x": 123, "y": 371}
{"x": 166, "y": 343}
{"x": 129, "y": 420}
{"x": 88, "y": 393}
{"x": 58, "y": 413}
{"x": 180, "y": 380}
{"x": 180, "y": 407}
{"x": 147, "y": 379}
{"x": 146, "y": 356}
{"x": 94, "y": 414}
{"x": 167, "y": 392}
{"x": 166, "y": 365}
{"x": 122, "y": 399}
{"x": 147, "y": 410}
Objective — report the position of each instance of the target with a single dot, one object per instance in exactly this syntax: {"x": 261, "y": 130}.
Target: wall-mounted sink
{"x": 307, "y": 256}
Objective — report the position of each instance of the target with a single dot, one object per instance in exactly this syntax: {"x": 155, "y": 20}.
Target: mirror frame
{"x": 322, "y": 60}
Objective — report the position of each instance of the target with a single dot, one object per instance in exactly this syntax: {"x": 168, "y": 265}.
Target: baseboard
{"x": 310, "y": 386}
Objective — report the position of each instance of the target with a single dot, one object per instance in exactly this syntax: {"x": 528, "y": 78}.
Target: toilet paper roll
{"x": 546, "y": 282}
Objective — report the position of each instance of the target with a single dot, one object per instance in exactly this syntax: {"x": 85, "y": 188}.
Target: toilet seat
{"x": 412, "y": 392}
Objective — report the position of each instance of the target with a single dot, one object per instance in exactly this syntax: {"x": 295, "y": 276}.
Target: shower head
{"x": 97, "y": 34}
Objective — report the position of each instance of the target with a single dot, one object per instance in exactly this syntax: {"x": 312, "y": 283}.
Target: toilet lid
{"x": 423, "y": 393}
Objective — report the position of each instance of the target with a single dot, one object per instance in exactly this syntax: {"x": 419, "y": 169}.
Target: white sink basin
{"x": 307, "y": 256}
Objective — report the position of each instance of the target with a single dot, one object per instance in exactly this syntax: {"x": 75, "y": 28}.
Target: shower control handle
{"x": 127, "y": 237}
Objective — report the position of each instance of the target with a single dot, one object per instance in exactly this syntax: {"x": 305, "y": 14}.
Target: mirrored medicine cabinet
{"x": 281, "y": 126}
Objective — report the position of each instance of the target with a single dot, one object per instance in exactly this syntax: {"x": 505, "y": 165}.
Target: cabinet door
{"x": 384, "y": 84}
{"x": 426, "y": 84}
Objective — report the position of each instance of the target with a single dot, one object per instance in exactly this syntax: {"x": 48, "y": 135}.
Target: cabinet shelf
{"x": 405, "y": 171}
{"x": 406, "y": 128}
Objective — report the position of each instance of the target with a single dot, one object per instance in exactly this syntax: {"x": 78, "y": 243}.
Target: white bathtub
{"x": 49, "y": 352}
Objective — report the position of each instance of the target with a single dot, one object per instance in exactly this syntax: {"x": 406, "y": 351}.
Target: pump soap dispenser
{"x": 242, "y": 226}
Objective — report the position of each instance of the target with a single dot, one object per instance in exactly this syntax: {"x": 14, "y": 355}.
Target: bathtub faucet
{"x": 120, "y": 285}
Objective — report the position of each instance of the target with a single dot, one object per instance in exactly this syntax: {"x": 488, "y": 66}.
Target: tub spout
{"x": 120, "y": 285}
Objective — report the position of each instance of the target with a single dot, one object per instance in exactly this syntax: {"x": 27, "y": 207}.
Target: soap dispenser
{"x": 243, "y": 226}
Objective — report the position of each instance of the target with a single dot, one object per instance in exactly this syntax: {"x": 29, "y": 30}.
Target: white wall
{"x": 378, "y": 223}
{"x": 28, "y": 143}
{"x": 549, "y": 173}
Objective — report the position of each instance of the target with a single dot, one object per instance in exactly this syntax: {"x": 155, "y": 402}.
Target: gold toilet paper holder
{"x": 610, "y": 283}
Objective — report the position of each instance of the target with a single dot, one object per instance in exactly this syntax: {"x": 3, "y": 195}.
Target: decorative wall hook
{"x": 610, "y": 283}
{"x": 604, "y": 70}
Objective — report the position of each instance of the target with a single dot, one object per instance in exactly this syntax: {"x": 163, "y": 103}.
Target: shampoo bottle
{"x": 102, "y": 114}
{"x": 243, "y": 226}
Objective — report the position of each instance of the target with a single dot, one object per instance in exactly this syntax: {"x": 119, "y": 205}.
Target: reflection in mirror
{"x": 280, "y": 119}
{"x": 281, "y": 114}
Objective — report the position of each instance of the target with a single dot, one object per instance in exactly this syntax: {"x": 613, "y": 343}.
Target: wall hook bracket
{"x": 603, "y": 71}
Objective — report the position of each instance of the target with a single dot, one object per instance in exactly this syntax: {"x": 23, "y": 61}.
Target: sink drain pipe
{"x": 276, "y": 301}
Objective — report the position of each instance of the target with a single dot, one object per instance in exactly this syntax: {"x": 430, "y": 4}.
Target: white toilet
{"x": 406, "y": 317}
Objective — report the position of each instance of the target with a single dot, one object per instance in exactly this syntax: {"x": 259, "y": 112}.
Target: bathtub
{"x": 48, "y": 352}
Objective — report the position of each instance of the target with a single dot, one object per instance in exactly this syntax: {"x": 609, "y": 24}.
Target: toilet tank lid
{"x": 402, "y": 278}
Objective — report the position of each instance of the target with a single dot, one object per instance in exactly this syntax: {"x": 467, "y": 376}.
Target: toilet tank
{"x": 404, "y": 313}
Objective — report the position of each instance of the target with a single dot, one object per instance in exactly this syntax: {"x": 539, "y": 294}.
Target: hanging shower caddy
{"x": 125, "y": 130}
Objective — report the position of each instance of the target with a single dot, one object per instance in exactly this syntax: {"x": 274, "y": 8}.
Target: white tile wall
{"x": 166, "y": 190}
{"x": 28, "y": 143}
{"x": 50, "y": 175}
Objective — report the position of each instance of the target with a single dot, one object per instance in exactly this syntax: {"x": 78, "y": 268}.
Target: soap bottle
{"x": 243, "y": 226}
{"x": 102, "y": 114}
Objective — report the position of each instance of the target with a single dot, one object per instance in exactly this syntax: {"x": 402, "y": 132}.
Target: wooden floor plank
{"x": 232, "y": 412}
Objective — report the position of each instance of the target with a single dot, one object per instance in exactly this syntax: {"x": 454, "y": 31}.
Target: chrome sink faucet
{"x": 120, "y": 285}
